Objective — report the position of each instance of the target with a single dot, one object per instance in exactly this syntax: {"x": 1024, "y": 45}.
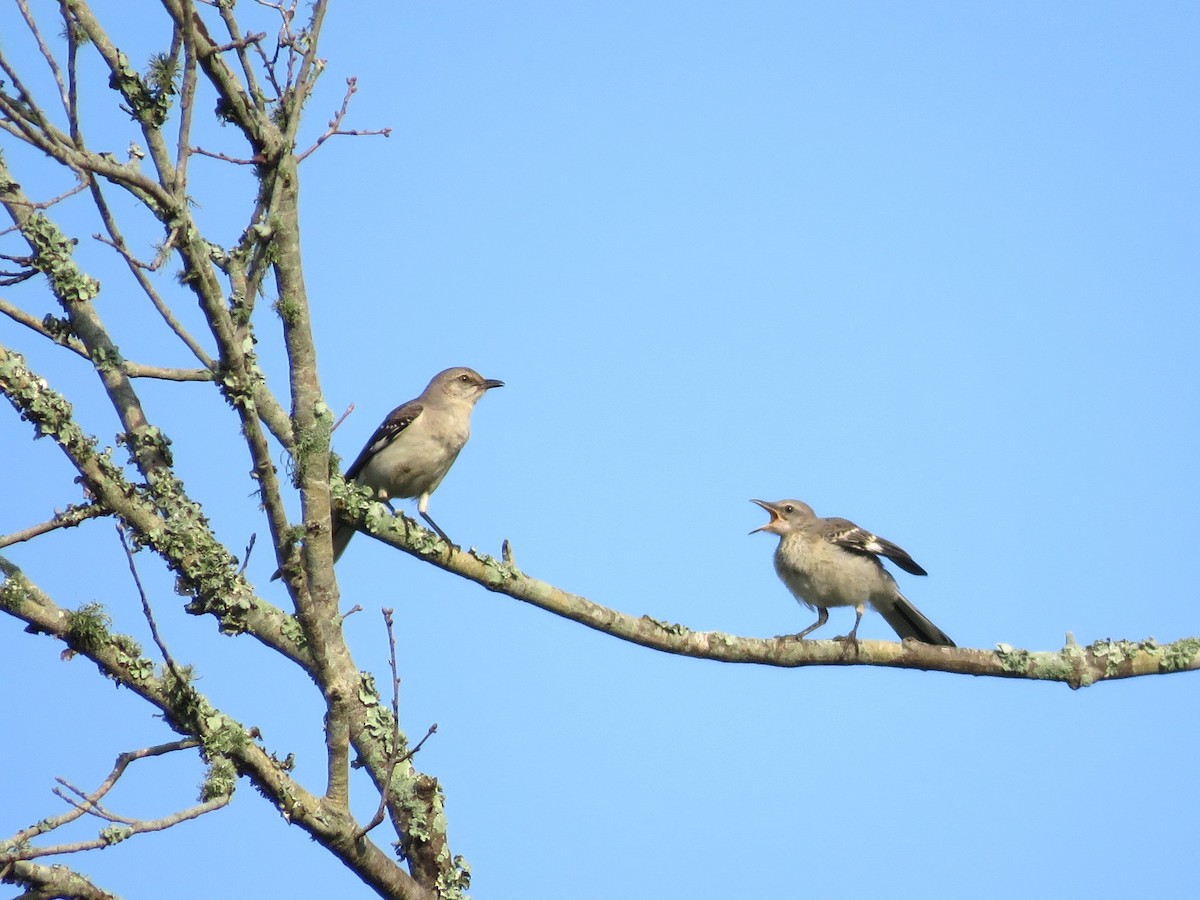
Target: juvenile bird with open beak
{"x": 833, "y": 562}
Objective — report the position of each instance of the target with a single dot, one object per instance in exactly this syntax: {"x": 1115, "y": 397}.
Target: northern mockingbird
{"x": 414, "y": 448}
{"x": 833, "y": 562}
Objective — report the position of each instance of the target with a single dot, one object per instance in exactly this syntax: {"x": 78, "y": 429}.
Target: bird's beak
{"x": 774, "y": 516}
{"x": 489, "y": 383}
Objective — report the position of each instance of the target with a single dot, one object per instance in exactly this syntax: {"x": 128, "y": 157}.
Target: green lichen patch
{"x": 1180, "y": 655}
{"x": 14, "y": 591}
{"x": 1012, "y": 659}
{"x": 149, "y": 98}
{"x": 220, "y": 779}
{"x": 495, "y": 572}
{"x": 114, "y": 834}
{"x": 454, "y": 882}
{"x": 87, "y": 627}
{"x": 381, "y": 727}
{"x": 368, "y": 694}
{"x": 222, "y": 736}
{"x": 52, "y": 252}
{"x": 669, "y": 627}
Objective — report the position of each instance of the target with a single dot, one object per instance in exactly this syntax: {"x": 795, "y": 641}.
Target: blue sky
{"x": 932, "y": 267}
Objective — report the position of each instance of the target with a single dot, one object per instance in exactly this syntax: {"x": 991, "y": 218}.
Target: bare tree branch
{"x": 394, "y": 756}
{"x": 72, "y": 343}
{"x": 45, "y": 826}
{"x": 45, "y": 882}
{"x": 46, "y": 54}
{"x": 327, "y": 821}
{"x": 335, "y": 124}
{"x": 1074, "y": 665}
{"x": 68, "y": 518}
{"x": 59, "y": 198}
{"x": 146, "y": 611}
{"x": 205, "y": 568}
{"x": 138, "y": 270}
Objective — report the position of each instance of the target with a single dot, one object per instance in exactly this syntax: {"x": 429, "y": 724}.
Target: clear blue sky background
{"x": 931, "y": 266}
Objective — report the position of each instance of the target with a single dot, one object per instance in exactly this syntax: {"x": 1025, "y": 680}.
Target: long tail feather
{"x": 908, "y": 622}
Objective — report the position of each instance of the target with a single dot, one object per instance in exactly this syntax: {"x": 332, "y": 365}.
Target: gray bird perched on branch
{"x": 833, "y": 562}
{"x": 411, "y": 452}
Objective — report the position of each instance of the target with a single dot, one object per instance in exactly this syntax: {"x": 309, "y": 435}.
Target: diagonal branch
{"x": 165, "y": 520}
{"x": 108, "y": 837}
{"x": 51, "y": 823}
{"x": 335, "y": 124}
{"x": 1074, "y": 665}
{"x": 146, "y": 611}
{"x": 73, "y": 289}
{"x": 330, "y": 824}
{"x": 72, "y": 343}
{"x": 117, "y": 242}
{"x": 52, "y": 881}
{"x": 23, "y": 5}
{"x": 394, "y": 757}
{"x": 68, "y": 518}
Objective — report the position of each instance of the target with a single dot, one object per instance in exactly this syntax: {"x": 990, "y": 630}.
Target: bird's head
{"x": 786, "y": 515}
{"x": 462, "y": 384}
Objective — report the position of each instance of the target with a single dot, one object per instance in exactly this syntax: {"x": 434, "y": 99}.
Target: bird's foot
{"x": 848, "y": 641}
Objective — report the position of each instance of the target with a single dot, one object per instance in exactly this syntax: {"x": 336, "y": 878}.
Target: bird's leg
{"x": 851, "y": 639}
{"x": 381, "y": 495}
{"x": 434, "y": 525}
{"x": 423, "y": 509}
{"x": 822, "y": 618}
{"x": 387, "y": 501}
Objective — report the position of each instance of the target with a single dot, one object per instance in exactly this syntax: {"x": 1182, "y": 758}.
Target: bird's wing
{"x": 398, "y": 419}
{"x": 849, "y": 536}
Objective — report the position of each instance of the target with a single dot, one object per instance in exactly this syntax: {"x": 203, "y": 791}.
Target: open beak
{"x": 774, "y": 516}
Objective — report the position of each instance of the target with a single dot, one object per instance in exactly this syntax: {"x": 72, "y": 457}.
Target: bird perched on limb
{"x": 410, "y": 453}
{"x": 833, "y": 562}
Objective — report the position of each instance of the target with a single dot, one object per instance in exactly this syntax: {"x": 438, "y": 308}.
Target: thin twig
{"x": 344, "y": 416}
{"x": 68, "y": 518}
{"x": 159, "y": 258}
{"x": 240, "y": 44}
{"x": 246, "y": 555}
{"x": 46, "y": 204}
{"x": 46, "y": 54}
{"x": 187, "y": 96}
{"x": 132, "y": 369}
{"x": 284, "y": 38}
{"x": 335, "y": 124}
{"x": 8, "y": 279}
{"x": 51, "y": 823}
{"x": 137, "y": 269}
{"x": 91, "y": 807}
{"x": 393, "y": 753}
{"x": 162, "y": 647}
{"x": 34, "y": 324}
{"x": 72, "y": 80}
{"x": 165, "y": 373}
{"x": 254, "y": 161}
{"x": 31, "y": 110}
{"x": 393, "y": 759}
{"x": 142, "y": 826}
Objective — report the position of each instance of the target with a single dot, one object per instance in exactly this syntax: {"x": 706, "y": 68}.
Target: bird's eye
{"x": 789, "y": 508}
{"x": 464, "y": 378}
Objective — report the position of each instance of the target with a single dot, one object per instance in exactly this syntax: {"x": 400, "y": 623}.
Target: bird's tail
{"x": 341, "y": 537}
{"x": 908, "y": 622}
